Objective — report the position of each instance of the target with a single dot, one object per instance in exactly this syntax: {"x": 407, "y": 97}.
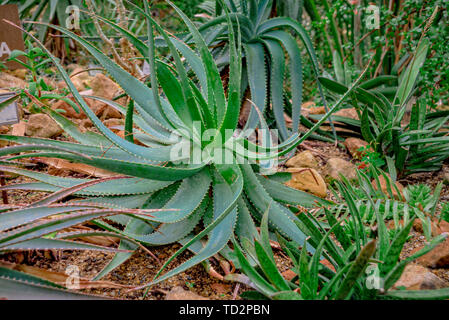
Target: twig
{"x": 4, "y": 192}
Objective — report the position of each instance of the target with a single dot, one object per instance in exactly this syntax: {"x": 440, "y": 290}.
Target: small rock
{"x": 336, "y": 167}
{"x": 383, "y": 186}
{"x": 392, "y": 225}
{"x": 80, "y": 78}
{"x": 69, "y": 111}
{"x": 308, "y": 104}
{"x": 438, "y": 227}
{"x": 326, "y": 263}
{"x": 303, "y": 159}
{"x": 437, "y": 258}
{"x": 18, "y": 129}
{"x": 317, "y": 110}
{"x": 178, "y": 293}
{"x": 308, "y": 180}
{"x": 19, "y": 73}
{"x": 41, "y": 125}
{"x": 221, "y": 288}
{"x": 416, "y": 277}
{"x": 4, "y": 129}
{"x": 350, "y": 113}
{"x": 353, "y": 145}
{"x": 104, "y": 87}
{"x": 9, "y": 81}
{"x": 446, "y": 178}
{"x": 289, "y": 274}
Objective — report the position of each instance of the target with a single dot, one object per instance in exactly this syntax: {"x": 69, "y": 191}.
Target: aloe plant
{"x": 225, "y": 196}
{"x": 268, "y": 42}
{"x": 42, "y": 225}
{"x": 361, "y": 264}
{"x": 420, "y": 144}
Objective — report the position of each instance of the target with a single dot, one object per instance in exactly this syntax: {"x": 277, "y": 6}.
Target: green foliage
{"x": 226, "y": 198}
{"x": 348, "y": 30}
{"x": 445, "y": 212}
{"x": 366, "y": 264}
{"x": 37, "y": 92}
{"x": 371, "y": 158}
{"x": 417, "y": 142}
{"x": 268, "y": 48}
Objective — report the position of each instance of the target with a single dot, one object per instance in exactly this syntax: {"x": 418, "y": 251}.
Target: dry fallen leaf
{"x": 59, "y": 277}
{"x": 76, "y": 167}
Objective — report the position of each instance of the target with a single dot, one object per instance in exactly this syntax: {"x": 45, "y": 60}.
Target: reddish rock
{"x": 336, "y": 167}
{"x": 289, "y": 274}
{"x": 383, "y": 187}
{"x": 41, "y": 125}
{"x": 18, "y": 129}
{"x": 350, "y": 113}
{"x": 317, "y": 110}
{"x": 354, "y": 145}
{"x": 68, "y": 109}
{"x": 221, "y": 288}
{"x": 326, "y": 263}
{"x": 438, "y": 227}
{"x": 416, "y": 277}
{"x": 437, "y": 258}
{"x": 308, "y": 104}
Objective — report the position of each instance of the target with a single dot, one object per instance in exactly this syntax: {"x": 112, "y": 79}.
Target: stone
{"x": 221, "y": 288}
{"x": 336, "y": 167}
{"x": 446, "y": 178}
{"x": 437, "y": 227}
{"x": 9, "y": 81}
{"x": 68, "y": 109}
{"x": 41, "y": 125}
{"x": 353, "y": 145}
{"x": 308, "y": 104}
{"x": 18, "y": 129}
{"x": 303, "y": 159}
{"x": 327, "y": 264}
{"x": 308, "y": 180}
{"x": 289, "y": 274}
{"x": 178, "y": 293}
{"x": 416, "y": 277}
{"x": 4, "y": 129}
{"x": 350, "y": 113}
{"x": 104, "y": 87}
{"x": 383, "y": 186}
{"x": 80, "y": 78}
{"x": 317, "y": 110}
{"x": 437, "y": 258}
{"x": 19, "y": 73}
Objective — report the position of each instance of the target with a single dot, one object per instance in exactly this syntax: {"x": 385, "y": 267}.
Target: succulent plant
{"x": 191, "y": 187}
{"x": 272, "y": 55}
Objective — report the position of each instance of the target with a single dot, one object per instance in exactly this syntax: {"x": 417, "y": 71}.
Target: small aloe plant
{"x": 360, "y": 264}
{"x": 227, "y": 196}
{"x": 269, "y": 48}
